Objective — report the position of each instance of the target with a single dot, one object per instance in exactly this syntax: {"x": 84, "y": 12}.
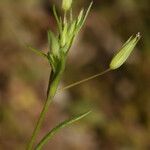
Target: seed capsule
{"x": 125, "y": 51}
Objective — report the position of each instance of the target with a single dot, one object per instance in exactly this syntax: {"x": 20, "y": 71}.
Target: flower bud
{"x": 125, "y": 51}
{"x": 66, "y": 4}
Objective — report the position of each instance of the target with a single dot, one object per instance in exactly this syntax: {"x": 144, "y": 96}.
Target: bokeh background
{"x": 120, "y": 100}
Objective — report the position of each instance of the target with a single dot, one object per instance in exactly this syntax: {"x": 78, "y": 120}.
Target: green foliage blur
{"x": 120, "y": 100}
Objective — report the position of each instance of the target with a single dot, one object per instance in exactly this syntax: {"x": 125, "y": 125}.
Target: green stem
{"x": 51, "y": 93}
{"x": 38, "y": 125}
{"x": 52, "y": 88}
{"x": 53, "y": 85}
{"x": 84, "y": 80}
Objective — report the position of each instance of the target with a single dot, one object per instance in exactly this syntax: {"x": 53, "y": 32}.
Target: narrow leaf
{"x": 57, "y": 128}
{"x": 87, "y": 12}
{"x": 39, "y": 52}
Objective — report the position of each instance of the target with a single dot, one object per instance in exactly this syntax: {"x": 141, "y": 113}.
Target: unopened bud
{"x": 125, "y": 51}
{"x": 66, "y": 4}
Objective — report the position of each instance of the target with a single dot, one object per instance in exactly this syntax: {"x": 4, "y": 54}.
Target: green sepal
{"x": 52, "y": 61}
{"x": 72, "y": 28}
{"x": 64, "y": 36}
{"x": 53, "y": 43}
{"x": 82, "y": 17}
{"x": 57, "y": 63}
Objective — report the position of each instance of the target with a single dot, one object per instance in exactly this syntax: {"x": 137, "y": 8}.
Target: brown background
{"x": 120, "y": 100}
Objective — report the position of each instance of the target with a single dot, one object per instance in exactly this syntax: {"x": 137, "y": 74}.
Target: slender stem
{"x": 52, "y": 87}
{"x": 50, "y": 96}
{"x": 84, "y": 80}
{"x": 38, "y": 125}
{"x": 54, "y": 80}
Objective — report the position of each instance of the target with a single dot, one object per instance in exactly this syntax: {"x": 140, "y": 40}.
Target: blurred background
{"x": 120, "y": 100}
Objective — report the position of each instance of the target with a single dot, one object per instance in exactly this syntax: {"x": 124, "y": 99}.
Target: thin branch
{"x": 84, "y": 80}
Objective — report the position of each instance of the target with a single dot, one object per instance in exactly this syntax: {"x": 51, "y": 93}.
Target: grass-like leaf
{"x": 38, "y": 52}
{"x": 86, "y": 14}
{"x": 60, "y": 126}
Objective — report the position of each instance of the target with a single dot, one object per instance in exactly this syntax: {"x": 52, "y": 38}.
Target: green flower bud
{"x": 125, "y": 51}
{"x": 66, "y": 4}
{"x": 53, "y": 43}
